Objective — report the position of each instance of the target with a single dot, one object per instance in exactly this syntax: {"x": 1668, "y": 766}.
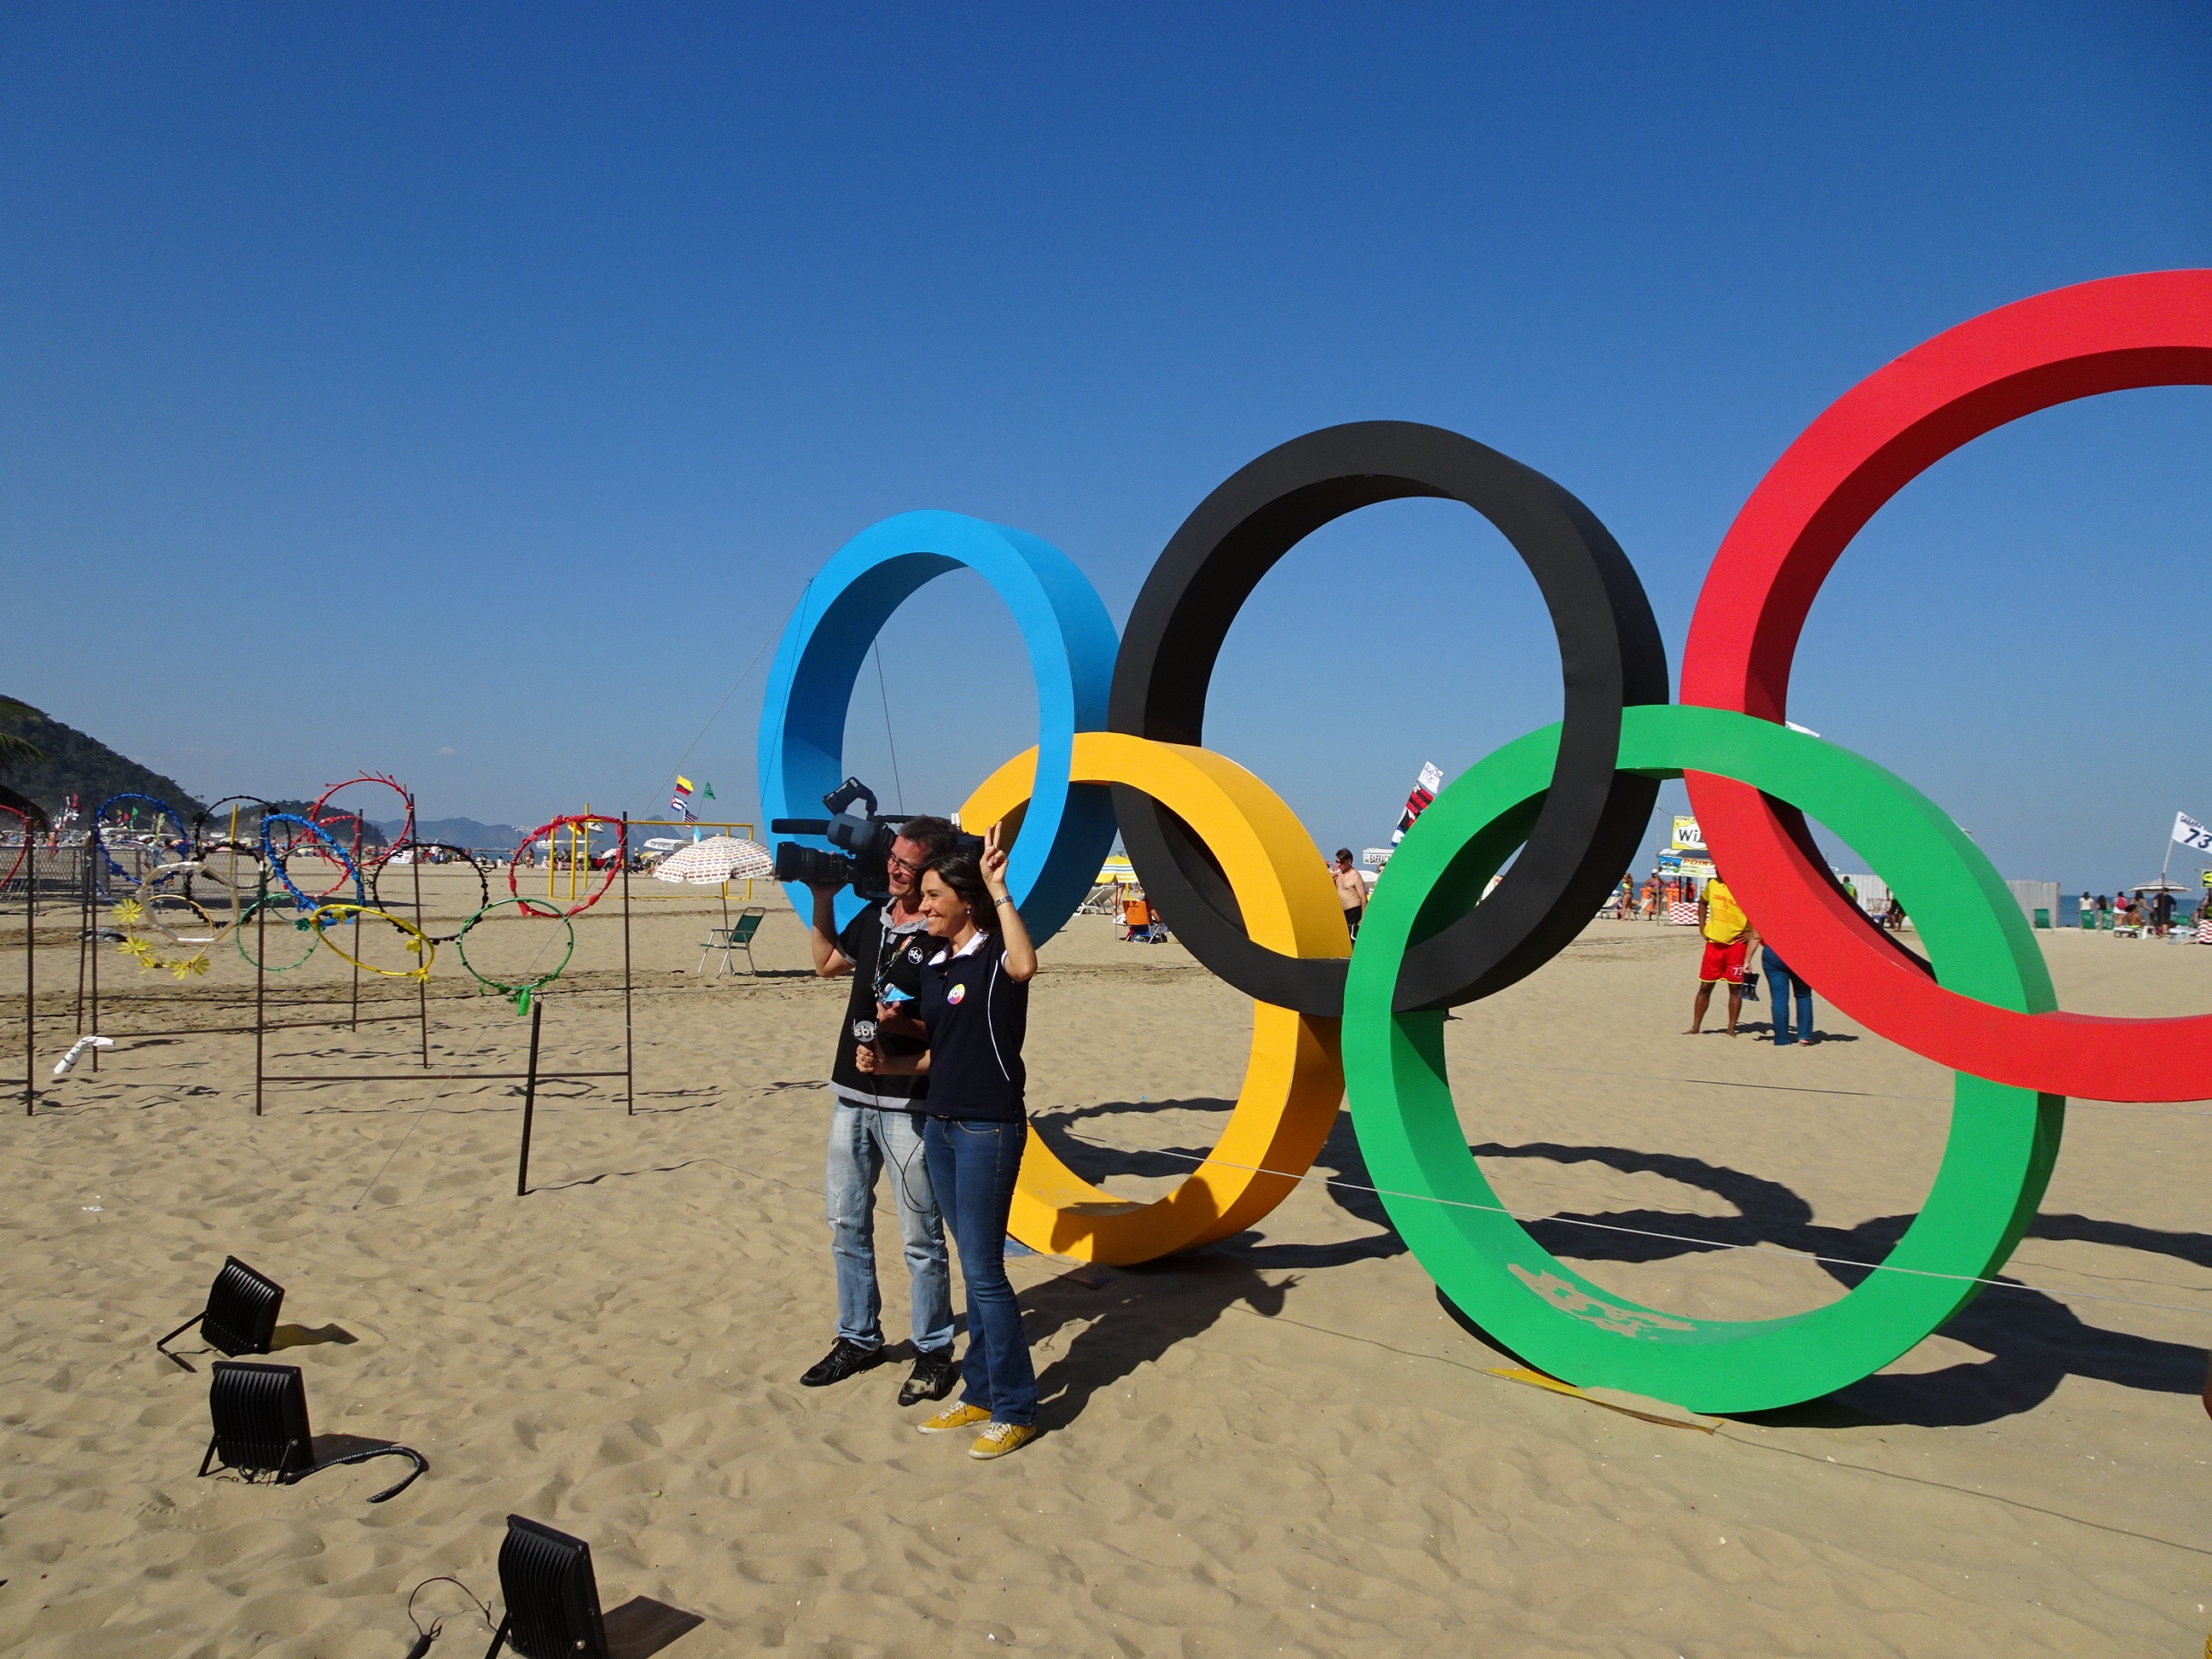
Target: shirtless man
{"x": 1351, "y": 890}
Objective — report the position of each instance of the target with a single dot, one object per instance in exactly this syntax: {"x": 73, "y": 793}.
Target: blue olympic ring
{"x": 1068, "y": 830}
{"x": 275, "y": 860}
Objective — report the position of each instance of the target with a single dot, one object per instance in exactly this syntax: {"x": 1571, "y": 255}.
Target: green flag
{"x": 710, "y": 792}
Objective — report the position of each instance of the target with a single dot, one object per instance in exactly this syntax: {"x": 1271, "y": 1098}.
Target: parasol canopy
{"x": 718, "y": 859}
{"x": 2162, "y": 885}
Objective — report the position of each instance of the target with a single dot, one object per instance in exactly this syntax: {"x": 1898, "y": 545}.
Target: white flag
{"x": 2190, "y": 833}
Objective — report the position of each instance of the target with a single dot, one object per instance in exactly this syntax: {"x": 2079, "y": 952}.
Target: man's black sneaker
{"x": 932, "y": 1378}
{"x": 845, "y": 1360}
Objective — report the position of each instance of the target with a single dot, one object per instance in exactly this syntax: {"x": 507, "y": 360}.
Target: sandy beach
{"x": 1281, "y": 1444}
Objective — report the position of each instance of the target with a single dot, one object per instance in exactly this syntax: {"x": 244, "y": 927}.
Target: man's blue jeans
{"x": 865, "y": 1141}
{"x": 1781, "y": 986}
{"x": 972, "y": 1165}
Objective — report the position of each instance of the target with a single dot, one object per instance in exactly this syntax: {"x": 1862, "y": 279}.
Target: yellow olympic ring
{"x": 1294, "y": 1080}
{"x": 421, "y": 945}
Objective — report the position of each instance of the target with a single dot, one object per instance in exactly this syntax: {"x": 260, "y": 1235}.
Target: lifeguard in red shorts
{"x": 1729, "y": 938}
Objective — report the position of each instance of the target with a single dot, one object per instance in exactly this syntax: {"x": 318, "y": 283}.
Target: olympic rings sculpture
{"x": 1240, "y": 881}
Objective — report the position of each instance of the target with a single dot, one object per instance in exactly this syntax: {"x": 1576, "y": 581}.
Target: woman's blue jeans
{"x": 972, "y": 1166}
{"x": 1781, "y": 985}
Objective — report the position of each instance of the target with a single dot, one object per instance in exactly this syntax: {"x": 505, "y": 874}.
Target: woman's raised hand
{"x": 995, "y": 863}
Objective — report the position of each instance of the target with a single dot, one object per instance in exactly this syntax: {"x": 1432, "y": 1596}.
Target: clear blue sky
{"x": 467, "y": 391}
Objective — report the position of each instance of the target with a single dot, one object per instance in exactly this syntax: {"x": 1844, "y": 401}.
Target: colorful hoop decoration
{"x": 2150, "y": 330}
{"x": 233, "y": 893}
{"x": 406, "y": 798}
{"x": 292, "y": 924}
{"x": 24, "y": 851}
{"x": 99, "y": 831}
{"x": 284, "y": 876}
{"x": 520, "y": 990}
{"x": 422, "y": 946}
{"x": 207, "y": 815}
{"x": 1293, "y": 1081}
{"x": 544, "y": 832}
{"x": 1071, "y": 644}
{"x": 384, "y": 863}
{"x": 139, "y": 914}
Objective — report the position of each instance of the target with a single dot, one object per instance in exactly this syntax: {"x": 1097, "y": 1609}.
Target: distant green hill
{"x": 75, "y": 764}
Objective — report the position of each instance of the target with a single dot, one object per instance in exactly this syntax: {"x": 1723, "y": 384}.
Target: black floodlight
{"x": 552, "y": 1598}
{"x": 241, "y": 1315}
{"x": 260, "y": 1414}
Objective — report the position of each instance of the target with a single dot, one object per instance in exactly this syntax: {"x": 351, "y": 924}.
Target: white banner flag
{"x": 2190, "y": 833}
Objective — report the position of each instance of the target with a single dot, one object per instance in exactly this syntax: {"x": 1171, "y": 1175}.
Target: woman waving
{"x": 975, "y": 1006}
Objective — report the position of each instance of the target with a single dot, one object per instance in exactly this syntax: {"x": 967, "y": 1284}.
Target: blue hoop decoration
{"x": 1068, "y": 830}
{"x": 276, "y": 862}
{"x": 159, "y": 806}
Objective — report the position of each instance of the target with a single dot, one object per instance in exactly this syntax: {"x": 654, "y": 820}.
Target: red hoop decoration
{"x": 544, "y": 832}
{"x": 2124, "y": 332}
{"x": 361, "y": 857}
{"x": 22, "y": 852}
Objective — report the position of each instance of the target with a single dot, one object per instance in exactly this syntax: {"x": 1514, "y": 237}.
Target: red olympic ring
{"x": 2153, "y": 329}
{"x": 544, "y": 832}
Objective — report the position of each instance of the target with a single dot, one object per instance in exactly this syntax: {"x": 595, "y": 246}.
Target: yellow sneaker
{"x": 957, "y": 1416}
{"x": 1001, "y": 1439}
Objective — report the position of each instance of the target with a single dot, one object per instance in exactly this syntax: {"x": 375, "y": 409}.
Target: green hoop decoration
{"x": 521, "y": 990}
{"x": 1995, "y": 1162}
{"x": 295, "y": 924}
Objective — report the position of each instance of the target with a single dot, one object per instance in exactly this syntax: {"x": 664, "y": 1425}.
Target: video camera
{"x": 866, "y": 837}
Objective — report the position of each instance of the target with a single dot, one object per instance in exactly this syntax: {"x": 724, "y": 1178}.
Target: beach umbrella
{"x": 2162, "y": 885}
{"x": 715, "y": 862}
{"x": 718, "y": 859}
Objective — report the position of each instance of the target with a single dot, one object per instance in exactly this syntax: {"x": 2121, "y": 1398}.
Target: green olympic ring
{"x": 1995, "y": 1162}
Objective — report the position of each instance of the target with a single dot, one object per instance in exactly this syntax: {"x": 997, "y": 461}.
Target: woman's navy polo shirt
{"x": 977, "y": 1018}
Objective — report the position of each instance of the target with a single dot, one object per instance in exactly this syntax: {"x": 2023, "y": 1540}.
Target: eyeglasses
{"x": 911, "y": 869}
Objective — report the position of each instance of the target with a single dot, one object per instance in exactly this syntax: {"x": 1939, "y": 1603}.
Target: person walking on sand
{"x": 1728, "y": 939}
{"x": 974, "y": 1010}
{"x": 1351, "y": 890}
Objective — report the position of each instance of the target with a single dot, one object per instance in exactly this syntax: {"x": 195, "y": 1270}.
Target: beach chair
{"x": 1140, "y": 924}
{"x": 736, "y": 937}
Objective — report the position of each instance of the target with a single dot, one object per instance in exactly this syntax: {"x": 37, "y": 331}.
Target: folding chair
{"x": 1140, "y": 923}
{"x": 738, "y": 937}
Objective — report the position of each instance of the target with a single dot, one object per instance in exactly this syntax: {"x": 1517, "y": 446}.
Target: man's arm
{"x": 829, "y": 962}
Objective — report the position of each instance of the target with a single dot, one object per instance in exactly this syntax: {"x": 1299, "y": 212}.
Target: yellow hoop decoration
{"x": 421, "y": 945}
{"x": 1294, "y": 1080}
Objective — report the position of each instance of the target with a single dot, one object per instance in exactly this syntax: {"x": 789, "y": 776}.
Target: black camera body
{"x": 866, "y": 837}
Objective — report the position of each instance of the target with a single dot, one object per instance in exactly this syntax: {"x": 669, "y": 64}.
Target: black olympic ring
{"x": 1611, "y": 656}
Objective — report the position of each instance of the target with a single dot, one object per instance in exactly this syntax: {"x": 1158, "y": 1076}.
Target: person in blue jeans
{"x": 1781, "y": 985}
{"x": 874, "y": 1130}
{"x": 974, "y": 1012}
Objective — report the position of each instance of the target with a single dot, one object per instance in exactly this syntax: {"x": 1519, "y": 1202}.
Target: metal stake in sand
{"x": 84, "y": 908}
{"x": 30, "y": 970}
{"x": 629, "y": 1044}
{"x": 529, "y": 1099}
{"x": 92, "y": 855}
{"x": 423, "y": 985}
{"x": 260, "y": 984}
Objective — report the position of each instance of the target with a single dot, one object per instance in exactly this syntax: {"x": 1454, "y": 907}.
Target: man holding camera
{"x": 873, "y": 1124}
